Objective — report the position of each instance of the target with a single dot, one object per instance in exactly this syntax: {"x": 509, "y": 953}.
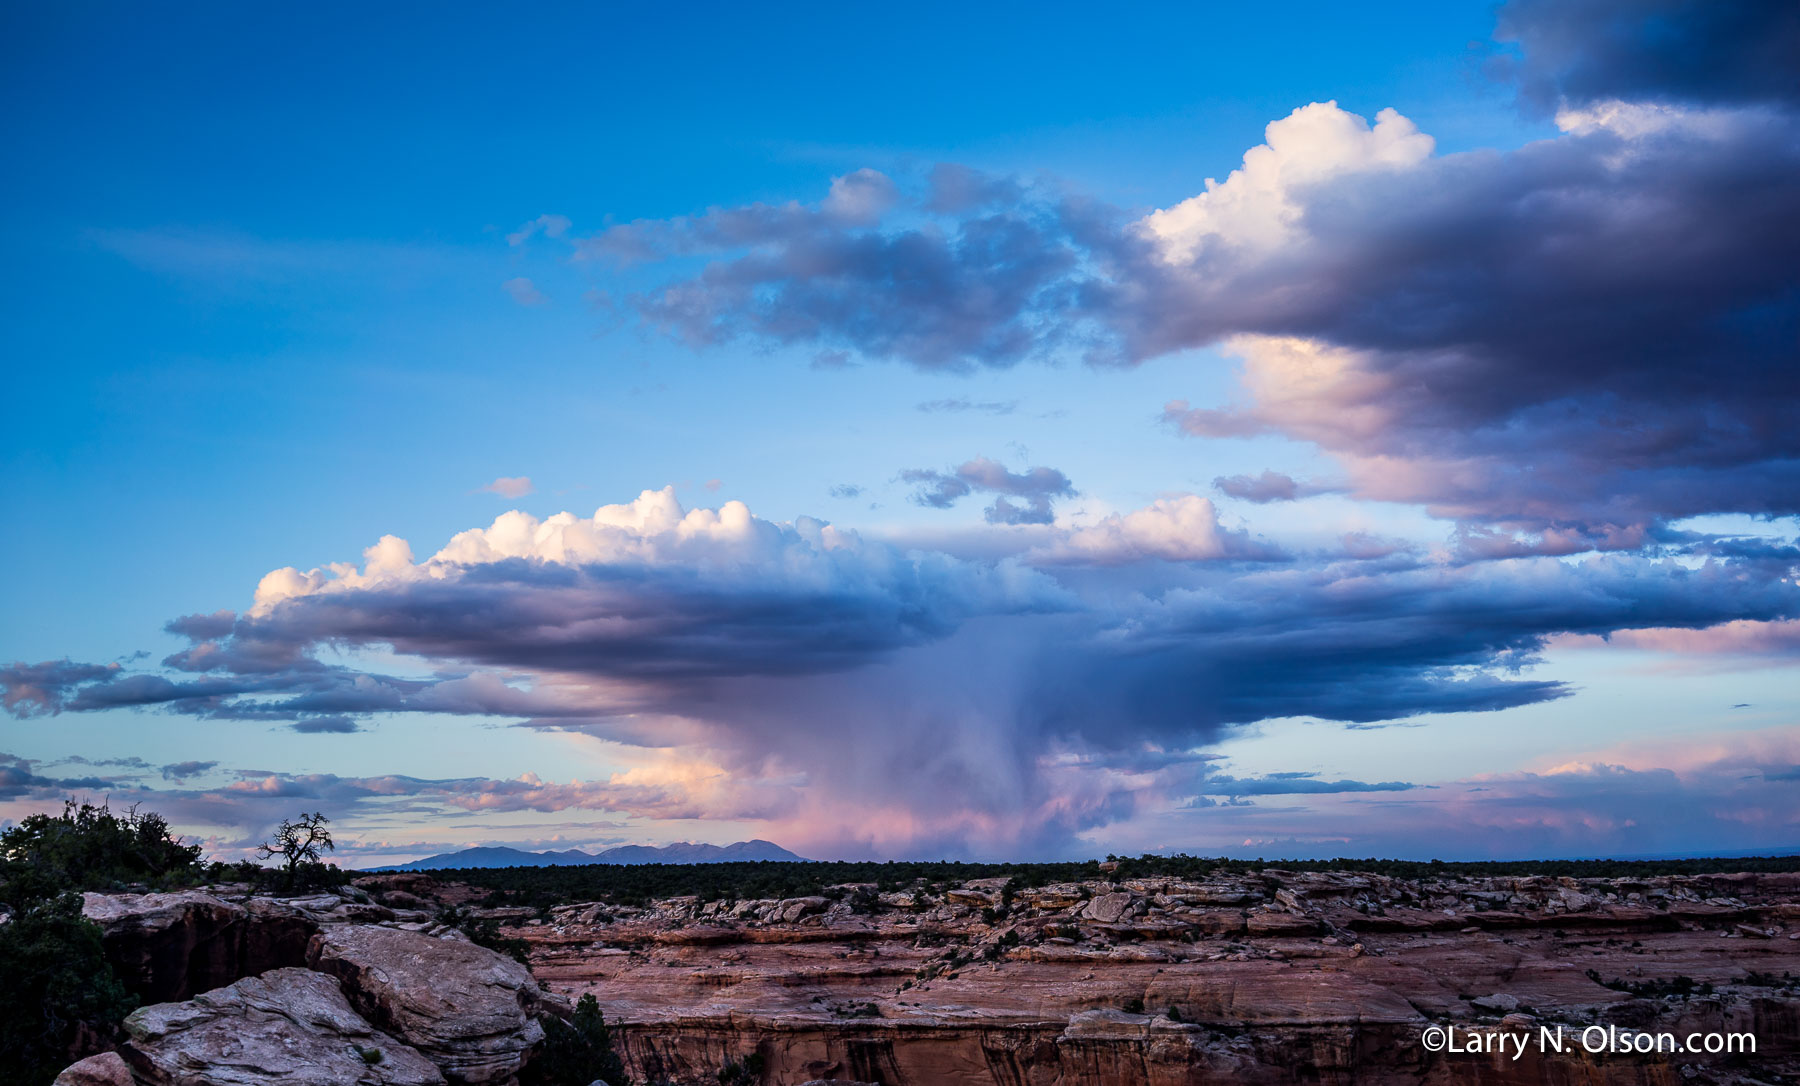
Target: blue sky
{"x": 275, "y": 295}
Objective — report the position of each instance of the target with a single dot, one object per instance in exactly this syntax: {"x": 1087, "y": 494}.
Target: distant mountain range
{"x": 679, "y": 853}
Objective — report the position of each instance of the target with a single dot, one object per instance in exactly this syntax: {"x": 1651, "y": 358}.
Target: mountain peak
{"x": 681, "y": 852}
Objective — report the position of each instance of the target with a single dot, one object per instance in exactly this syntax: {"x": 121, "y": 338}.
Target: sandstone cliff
{"x": 1273, "y": 977}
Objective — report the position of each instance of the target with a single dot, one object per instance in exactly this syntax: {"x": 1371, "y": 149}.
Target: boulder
{"x": 106, "y": 1069}
{"x": 469, "y": 1010}
{"x": 790, "y": 910}
{"x": 291, "y": 1027}
{"x": 1108, "y": 908}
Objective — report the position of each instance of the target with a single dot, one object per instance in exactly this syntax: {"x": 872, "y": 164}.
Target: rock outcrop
{"x": 1252, "y": 977}
{"x": 467, "y": 1009}
{"x": 288, "y": 1026}
{"x": 170, "y": 946}
{"x": 1271, "y": 976}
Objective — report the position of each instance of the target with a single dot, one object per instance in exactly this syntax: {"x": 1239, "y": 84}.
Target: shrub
{"x": 745, "y": 1072}
{"x": 91, "y": 848}
{"x": 60, "y": 999}
{"x": 576, "y": 1052}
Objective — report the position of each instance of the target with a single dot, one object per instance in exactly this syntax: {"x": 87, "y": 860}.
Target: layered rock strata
{"x": 1272, "y": 977}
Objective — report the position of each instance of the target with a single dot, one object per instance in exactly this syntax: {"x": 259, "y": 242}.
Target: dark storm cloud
{"x": 1696, "y": 51}
{"x": 753, "y": 598}
{"x": 1110, "y": 664}
{"x": 1044, "y": 709}
{"x": 1346, "y": 644}
{"x": 1037, "y": 488}
{"x": 654, "y": 622}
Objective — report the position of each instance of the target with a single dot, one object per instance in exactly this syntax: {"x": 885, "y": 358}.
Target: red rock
{"x": 106, "y": 1069}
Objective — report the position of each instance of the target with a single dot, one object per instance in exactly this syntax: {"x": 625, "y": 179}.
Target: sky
{"x": 1006, "y": 433}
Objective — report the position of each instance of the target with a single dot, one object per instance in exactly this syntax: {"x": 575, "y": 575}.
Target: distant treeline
{"x": 635, "y": 884}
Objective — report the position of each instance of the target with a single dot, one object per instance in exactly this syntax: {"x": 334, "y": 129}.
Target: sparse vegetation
{"x": 484, "y": 933}
{"x": 638, "y": 884}
{"x": 1656, "y": 988}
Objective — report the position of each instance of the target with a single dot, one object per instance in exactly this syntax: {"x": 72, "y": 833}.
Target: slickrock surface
{"x": 1267, "y": 977}
{"x": 288, "y": 1026}
{"x": 471, "y": 1011}
{"x": 382, "y": 1003}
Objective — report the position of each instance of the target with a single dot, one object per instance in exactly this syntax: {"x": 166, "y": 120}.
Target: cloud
{"x": 928, "y": 699}
{"x": 524, "y": 291}
{"x": 928, "y": 703}
{"x": 1270, "y": 486}
{"x": 846, "y": 490}
{"x": 1737, "y": 644}
{"x": 1691, "y": 51}
{"x": 1291, "y": 784}
{"x": 1260, "y": 207}
{"x": 1589, "y": 335}
{"x": 35, "y": 689}
{"x": 1470, "y": 332}
{"x": 941, "y": 295}
{"x": 317, "y": 725}
{"x": 1038, "y": 487}
{"x": 181, "y": 771}
{"x": 510, "y": 486}
{"x": 550, "y": 226}
{"x": 1182, "y": 529}
{"x": 19, "y": 780}
{"x": 962, "y": 404}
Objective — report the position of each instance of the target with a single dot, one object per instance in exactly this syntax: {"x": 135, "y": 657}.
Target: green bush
{"x": 91, "y": 848}
{"x": 745, "y": 1072}
{"x": 60, "y": 999}
{"x": 576, "y": 1052}
{"x": 307, "y": 878}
